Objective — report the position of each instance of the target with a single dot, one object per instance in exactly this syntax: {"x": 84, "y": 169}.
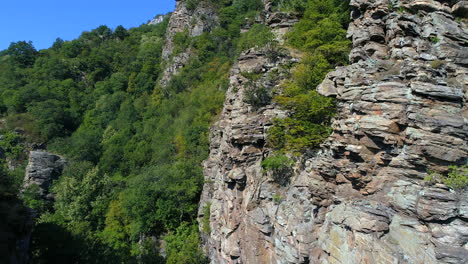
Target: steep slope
{"x": 130, "y": 110}
{"x": 185, "y": 23}
{"x": 362, "y": 197}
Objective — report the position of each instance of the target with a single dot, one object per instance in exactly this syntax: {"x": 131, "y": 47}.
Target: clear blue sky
{"x": 42, "y": 21}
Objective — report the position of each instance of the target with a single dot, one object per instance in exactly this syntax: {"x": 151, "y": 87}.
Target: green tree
{"x": 120, "y": 32}
{"x": 23, "y": 53}
{"x": 58, "y": 43}
{"x": 82, "y": 194}
{"x": 53, "y": 118}
{"x": 183, "y": 246}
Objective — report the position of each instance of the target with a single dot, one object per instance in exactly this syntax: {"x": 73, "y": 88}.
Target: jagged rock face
{"x": 43, "y": 168}
{"x": 197, "y": 21}
{"x": 157, "y": 20}
{"x": 362, "y": 197}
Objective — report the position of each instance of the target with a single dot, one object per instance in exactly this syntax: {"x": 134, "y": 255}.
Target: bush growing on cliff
{"x": 255, "y": 93}
{"x": 321, "y": 35}
{"x": 277, "y": 198}
{"x": 206, "y": 218}
{"x": 191, "y": 4}
{"x": 277, "y": 162}
{"x": 456, "y": 178}
{"x": 280, "y": 166}
{"x": 258, "y": 36}
{"x": 32, "y": 199}
{"x": 181, "y": 42}
{"x": 434, "y": 39}
{"x": 290, "y": 5}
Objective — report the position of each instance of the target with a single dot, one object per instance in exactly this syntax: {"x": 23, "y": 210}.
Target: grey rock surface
{"x": 43, "y": 168}
{"x": 157, "y": 20}
{"x": 195, "y": 22}
{"x": 362, "y": 197}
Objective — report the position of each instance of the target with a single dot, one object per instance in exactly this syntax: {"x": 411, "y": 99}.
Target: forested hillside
{"x": 243, "y": 131}
{"x": 134, "y": 147}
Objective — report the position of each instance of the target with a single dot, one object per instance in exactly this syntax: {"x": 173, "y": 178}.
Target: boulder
{"x": 43, "y": 168}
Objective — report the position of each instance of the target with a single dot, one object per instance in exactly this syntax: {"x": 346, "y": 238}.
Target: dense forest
{"x": 135, "y": 147}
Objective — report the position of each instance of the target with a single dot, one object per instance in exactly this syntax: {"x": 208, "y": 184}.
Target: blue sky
{"x": 42, "y": 21}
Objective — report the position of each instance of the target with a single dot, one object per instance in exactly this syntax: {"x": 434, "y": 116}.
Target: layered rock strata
{"x": 362, "y": 197}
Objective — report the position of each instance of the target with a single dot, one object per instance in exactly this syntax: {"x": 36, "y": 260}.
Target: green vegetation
{"x": 437, "y": 64}
{"x": 134, "y": 147}
{"x": 183, "y": 246}
{"x": 321, "y": 35}
{"x": 206, "y": 218}
{"x": 181, "y": 42}
{"x": 396, "y": 8}
{"x": 278, "y": 162}
{"x": 10, "y": 144}
{"x": 434, "y": 39}
{"x": 290, "y": 5}
{"x": 26, "y": 122}
{"x": 456, "y": 178}
{"x": 22, "y": 53}
{"x": 32, "y": 198}
{"x": 277, "y": 198}
{"x": 281, "y": 167}
{"x": 11, "y": 149}
{"x": 261, "y": 38}
{"x": 402, "y": 10}
{"x": 255, "y": 94}
{"x": 191, "y": 4}
{"x": 258, "y": 37}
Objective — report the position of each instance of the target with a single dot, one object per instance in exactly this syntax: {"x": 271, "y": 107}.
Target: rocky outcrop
{"x": 362, "y": 197}
{"x": 194, "y": 21}
{"x": 158, "y": 19}
{"x": 17, "y": 221}
{"x": 43, "y": 168}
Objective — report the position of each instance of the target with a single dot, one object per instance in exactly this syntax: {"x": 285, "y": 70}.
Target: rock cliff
{"x": 185, "y": 20}
{"x": 362, "y": 197}
{"x": 43, "y": 168}
{"x": 158, "y": 19}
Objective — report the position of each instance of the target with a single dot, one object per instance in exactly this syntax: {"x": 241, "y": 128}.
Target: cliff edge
{"x": 364, "y": 197}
